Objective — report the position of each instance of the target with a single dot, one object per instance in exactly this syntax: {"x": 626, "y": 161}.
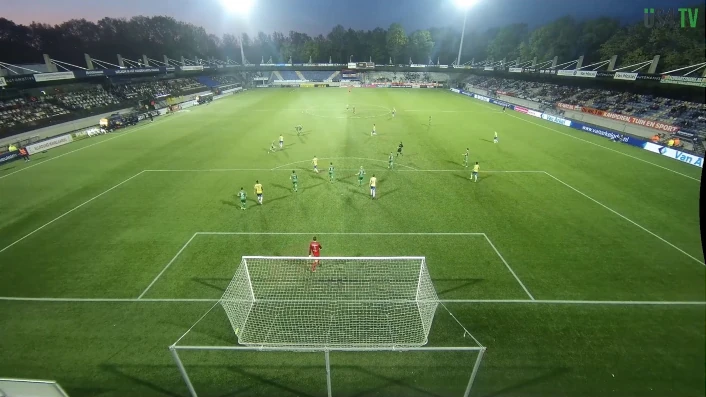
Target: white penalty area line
{"x": 339, "y": 158}
{"x": 166, "y": 267}
{"x": 445, "y": 301}
{"x": 71, "y": 210}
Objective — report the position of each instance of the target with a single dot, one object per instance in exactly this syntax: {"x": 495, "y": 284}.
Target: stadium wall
{"x": 615, "y": 136}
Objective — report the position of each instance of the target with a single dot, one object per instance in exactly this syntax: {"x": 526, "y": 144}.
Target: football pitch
{"x": 576, "y": 261}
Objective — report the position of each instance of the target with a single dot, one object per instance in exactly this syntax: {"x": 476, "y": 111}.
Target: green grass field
{"x": 575, "y": 260}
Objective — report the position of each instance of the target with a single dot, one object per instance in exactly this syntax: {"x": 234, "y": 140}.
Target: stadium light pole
{"x": 242, "y": 9}
{"x": 465, "y": 5}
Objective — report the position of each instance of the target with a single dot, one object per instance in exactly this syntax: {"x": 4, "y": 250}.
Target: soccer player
{"x": 495, "y": 139}
{"x": 294, "y": 181}
{"x": 243, "y": 197}
{"x": 315, "y": 161}
{"x": 399, "y": 149}
{"x": 281, "y": 141}
{"x": 272, "y": 147}
{"x": 393, "y": 112}
{"x": 504, "y": 107}
{"x": 330, "y": 173}
{"x": 374, "y": 131}
{"x": 474, "y": 175}
{"x": 298, "y": 129}
{"x": 429, "y": 120}
{"x": 361, "y": 174}
{"x": 373, "y": 185}
{"x": 391, "y": 161}
{"x": 258, "y": 192}
{"x": 349, "y": 90}
{"x": 465, "y": 158}
{"x": 315, "y": 251}
{"x": 347, "y": 107}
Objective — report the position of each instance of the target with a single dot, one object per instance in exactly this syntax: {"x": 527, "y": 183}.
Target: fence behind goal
{"x": 349, "y": 304}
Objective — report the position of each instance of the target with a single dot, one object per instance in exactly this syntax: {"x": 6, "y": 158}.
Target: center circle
{"x": 361, "y": 112}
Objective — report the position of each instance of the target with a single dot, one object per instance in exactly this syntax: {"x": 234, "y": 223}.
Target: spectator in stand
{"x": 655, "y": 138}
{"x": 677, "y": 142}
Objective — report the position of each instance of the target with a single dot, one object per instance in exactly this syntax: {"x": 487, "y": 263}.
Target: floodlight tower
{"x": 464, "y": 5}
{"x": 240, "y": 8}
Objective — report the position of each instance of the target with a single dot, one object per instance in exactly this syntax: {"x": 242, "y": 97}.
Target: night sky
{"x": 319, "y": 16}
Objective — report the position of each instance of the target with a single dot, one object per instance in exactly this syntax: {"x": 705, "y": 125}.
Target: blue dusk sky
{"x": 319, "y": 16}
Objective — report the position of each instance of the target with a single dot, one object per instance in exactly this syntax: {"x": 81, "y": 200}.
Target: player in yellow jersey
{"x": 281, "y": 142}
{"x": 315, "y": 161}
{"x": 474, "y": 175}
{"x": 373, "y": 185}
{"x": 258, "y": 192}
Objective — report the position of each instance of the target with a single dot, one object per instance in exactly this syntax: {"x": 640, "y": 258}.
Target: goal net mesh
{"x": 347, "y": 302}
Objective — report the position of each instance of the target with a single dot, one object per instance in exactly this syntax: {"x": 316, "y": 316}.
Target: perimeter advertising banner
{"x": 2, "y": 82}
{"x": 684, "y": 80}
{"x": 41, "y": 77}
{"x": 9, "y": 156}
{"x": 49, "y": 144}
{"x": 675, "y": 154}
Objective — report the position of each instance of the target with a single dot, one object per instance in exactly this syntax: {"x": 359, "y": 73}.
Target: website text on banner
{"x": 49, "y": 144}
{"x": 621, "y": 117}
{"x": 9, "y": 156}
{"x": 613, "y": 135}
{"x": 675, "y": 154}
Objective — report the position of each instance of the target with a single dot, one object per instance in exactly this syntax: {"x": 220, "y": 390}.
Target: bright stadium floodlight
{"x": 465, "y": 5}
{"x": 240, "y": 7}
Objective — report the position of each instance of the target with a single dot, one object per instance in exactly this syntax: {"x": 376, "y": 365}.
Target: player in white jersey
{"x": 495, "y": 139}
{"x": 374, "y": 131}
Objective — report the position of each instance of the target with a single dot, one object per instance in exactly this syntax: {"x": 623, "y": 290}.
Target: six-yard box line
{"x": 411, "y": 169}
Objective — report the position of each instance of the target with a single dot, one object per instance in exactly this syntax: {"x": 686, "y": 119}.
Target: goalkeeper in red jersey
{"x": 315, "y": 251}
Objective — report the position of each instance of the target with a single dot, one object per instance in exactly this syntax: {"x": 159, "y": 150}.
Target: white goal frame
{"x": 175, "y": 347}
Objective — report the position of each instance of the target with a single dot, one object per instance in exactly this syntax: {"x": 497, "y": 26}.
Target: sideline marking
{"x": 138, "y": 128}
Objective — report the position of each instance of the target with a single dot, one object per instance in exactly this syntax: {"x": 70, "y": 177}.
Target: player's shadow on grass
{"x": 279, "y": 385}
{"x": 387, "y": 193}
{"x": 468, "y": 177}
{"x": 280, "y": 187}
{"x": 486, "y": 140}
{"x": 452, "y": 162}
{"x": 406, "y": 383}
{"x": 8, "y": 168}
{"x": 447, "y": 285}
{"x": 516, "y": 388}
{"x": 122, "y": 373}
{"x": 218, "y": 284}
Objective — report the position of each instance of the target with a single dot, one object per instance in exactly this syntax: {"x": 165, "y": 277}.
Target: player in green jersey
{"x": 242, "y": 196}
{"x": 465, "y": 158}
{"x": 330, "y": 172}
{"x": 294, "y": 181}
{"x": 361, "y": 175}
{"x": 391, "y": 161}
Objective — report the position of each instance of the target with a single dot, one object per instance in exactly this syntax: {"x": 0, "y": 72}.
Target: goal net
{"x": 357, "y": 302}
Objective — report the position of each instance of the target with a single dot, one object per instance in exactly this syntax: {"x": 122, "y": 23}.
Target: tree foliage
{"x": 566, "y": 38}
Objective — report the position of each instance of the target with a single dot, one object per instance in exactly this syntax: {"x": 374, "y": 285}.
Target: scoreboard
{"x": 361, "y": 65}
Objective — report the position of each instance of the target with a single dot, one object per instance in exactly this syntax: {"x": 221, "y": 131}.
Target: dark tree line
{"x": 566, "y": 37}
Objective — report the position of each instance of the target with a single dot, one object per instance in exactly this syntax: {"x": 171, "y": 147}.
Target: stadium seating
{"x": 317, "y": 75}
{"x": 21, "y": 111}
{"x": 289, "y": 75}
{"x": 226, "y": 80}
{"x": 157, "y": 88}
{"x": 670, "y": 111}
{"x": 208, "y": 81}
{"x": 86, "y": 100}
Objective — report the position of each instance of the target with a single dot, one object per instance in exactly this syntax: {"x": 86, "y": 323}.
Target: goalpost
{"x": 349, "y": 304}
